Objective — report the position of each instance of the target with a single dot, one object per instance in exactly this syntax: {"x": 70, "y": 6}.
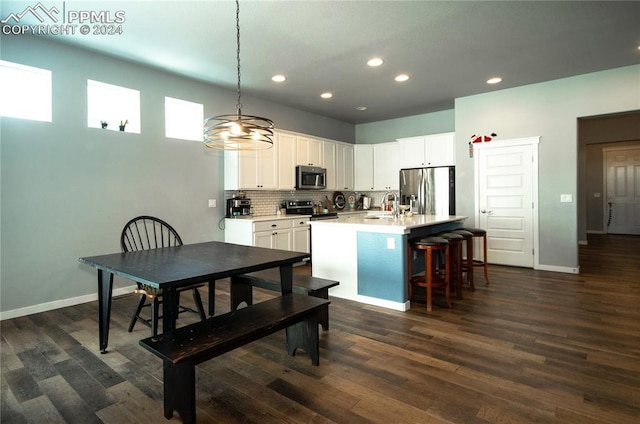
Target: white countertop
{"x": 253, "y": 218}
{"x": 400, "y": 225}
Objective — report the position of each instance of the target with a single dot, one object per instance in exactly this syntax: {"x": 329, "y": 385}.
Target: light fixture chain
{"x": 239, "y": 103}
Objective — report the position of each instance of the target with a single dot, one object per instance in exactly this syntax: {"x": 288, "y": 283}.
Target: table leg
{"x": 212, "y": 298}
{"x": 105, "y": 288}
{"x": 286, "y": 279}
{"x": 169, "y": 309}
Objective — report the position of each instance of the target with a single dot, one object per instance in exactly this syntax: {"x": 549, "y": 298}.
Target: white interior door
{"x": 622, "y": 168}
{"x": 507, "y": 199}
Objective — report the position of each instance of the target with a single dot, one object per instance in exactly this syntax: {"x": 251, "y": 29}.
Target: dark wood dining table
{"x": 169, "y": 268}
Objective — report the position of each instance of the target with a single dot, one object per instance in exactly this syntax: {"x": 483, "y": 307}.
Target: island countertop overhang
{"x": 388, "y": 225}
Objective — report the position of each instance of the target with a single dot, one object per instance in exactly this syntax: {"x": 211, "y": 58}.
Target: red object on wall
{"x": 480, "y": 138}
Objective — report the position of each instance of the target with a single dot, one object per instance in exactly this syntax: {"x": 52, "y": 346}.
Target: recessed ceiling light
{"x": 376, "y": 61}
{"x": 494, "y": 80}
{"x": 402, "y": 77}
{"x": 326, "y": 95}
{"x": 361, "y": 108}
{"x": 278, "y": 78}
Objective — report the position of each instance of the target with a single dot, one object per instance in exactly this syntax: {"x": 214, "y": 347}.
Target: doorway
{"x": 622, "y": 185}
{"x": 507, "y": 200}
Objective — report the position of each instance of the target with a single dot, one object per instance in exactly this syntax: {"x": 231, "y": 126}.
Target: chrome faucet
{"x": 394, "y": 206}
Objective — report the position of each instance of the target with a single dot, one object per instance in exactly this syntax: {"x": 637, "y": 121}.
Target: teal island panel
{"x": 382, "y": 266}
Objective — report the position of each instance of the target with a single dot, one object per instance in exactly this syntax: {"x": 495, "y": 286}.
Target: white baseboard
{"x": 396, "y": 306}
{"x": 49, "y": 306}
{"x": 565, "y": 269}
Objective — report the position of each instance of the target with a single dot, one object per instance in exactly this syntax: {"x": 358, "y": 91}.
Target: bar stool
{"x": 455, "y": 260}
{"x": 431, "y": 279}
{"x": 467, "y": 265}
{"x": 477, "y": 233}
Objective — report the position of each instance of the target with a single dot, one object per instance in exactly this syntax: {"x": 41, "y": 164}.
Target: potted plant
{"x": 123, "y": 125}
{"x": 104, "y": 124}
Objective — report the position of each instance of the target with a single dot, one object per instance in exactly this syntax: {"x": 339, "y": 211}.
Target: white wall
{"x": 549, "y": 110}
{"x": 67, "y": 190}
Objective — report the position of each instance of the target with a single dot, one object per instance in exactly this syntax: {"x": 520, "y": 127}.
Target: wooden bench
{"x": 241, "y": 288}
{"x": 182, "y": 349}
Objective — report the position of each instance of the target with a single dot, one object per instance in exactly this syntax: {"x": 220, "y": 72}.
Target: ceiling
{"x": 448, "y": 48}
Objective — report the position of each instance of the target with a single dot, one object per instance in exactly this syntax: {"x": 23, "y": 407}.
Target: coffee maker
{"x": 237, "y": 206}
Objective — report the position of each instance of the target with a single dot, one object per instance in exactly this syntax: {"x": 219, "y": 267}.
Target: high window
{"x": 183, "y": 119}
{"x": 25, "y": 92}
{"x": 113, "y": 107}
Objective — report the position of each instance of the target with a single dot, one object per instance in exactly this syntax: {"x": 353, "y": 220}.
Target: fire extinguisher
{"x": 470, "y": 149}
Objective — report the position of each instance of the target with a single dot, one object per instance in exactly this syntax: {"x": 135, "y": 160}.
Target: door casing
{"x": 497, "y": 144}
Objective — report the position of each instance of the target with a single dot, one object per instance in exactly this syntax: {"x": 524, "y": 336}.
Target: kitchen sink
{"x": 379, "y": 216}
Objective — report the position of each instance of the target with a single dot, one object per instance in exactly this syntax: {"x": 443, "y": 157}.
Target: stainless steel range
{"x": 305, "y": 207}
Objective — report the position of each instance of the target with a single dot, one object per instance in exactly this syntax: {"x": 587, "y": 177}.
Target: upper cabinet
{"x": 386, "y": 165}
{"x": 344, "y": 166}
{"x": 251, "y": 170}
{"x": 338, "y": 161}
{"x": 363, "y": 158}
{"x": 430, "y": 150}
{"x": 308, "y": 151}
{"x": 329, "y": 160}
{"x": 275, "y": 168}
{"x": 286, "y": 161}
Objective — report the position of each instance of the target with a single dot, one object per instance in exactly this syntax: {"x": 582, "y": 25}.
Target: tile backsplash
{"x": 266, "y": 202}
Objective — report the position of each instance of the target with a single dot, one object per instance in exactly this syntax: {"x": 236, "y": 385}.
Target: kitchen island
{"x": 369, "y": 254}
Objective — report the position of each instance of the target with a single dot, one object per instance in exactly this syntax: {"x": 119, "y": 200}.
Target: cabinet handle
{"x": 274, "y": 225}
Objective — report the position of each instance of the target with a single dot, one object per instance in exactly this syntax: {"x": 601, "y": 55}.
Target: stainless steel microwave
{"x": 311, "y": 178}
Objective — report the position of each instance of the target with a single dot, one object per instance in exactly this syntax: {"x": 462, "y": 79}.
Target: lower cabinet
{"x": 301, "y": 235}
{"x": 276, "y": 234}
{"x": 284, "y": 233}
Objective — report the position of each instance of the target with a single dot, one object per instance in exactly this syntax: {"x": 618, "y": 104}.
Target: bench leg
{"x": 241, "y": 290}
{"x": 323, "y": 315}
{"x": 304, "y": 335}
{"x": 180, "y": 391}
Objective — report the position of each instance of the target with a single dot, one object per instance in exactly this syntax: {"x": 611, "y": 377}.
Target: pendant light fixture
{"x": 238, "y": 131}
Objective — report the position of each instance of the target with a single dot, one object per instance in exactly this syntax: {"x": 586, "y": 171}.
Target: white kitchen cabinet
{"x": 338, "y": 161}
{"x": 276, "y": 234}
{"x": 430, "y": 150}
{"x": 344, "y": 166}
{"x": 386, "y": 166}
{"x": 331, "y": 165}
{"x": 301, "y": 235}
{"x": 440, "y": 149}
{"x": 363, "y": 169}
{"x": 286, "y": 161}
{"x": 251, "y": 170}
{"x": 412, "y": 152}
{"x": 283, "y": 233}
{"x": 308, "y": 151}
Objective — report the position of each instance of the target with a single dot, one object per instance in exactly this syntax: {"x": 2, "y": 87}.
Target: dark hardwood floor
{"x": 531, "y": 347}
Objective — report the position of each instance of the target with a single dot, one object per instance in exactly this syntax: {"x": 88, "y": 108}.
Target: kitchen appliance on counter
{"x": 429, "y": 191}
{"x": 238, "y": 206}
{"x": 311, "y": 178}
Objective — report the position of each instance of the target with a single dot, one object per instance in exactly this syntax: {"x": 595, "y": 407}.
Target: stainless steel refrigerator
{"x": 429, "y": 191}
